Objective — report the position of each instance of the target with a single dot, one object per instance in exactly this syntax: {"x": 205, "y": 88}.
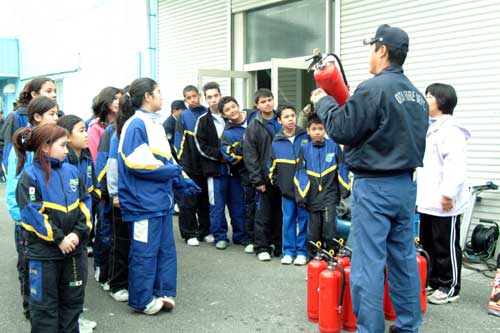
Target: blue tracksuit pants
{"x": 294, "y": 243}
{"x": 224, "y": 190}
{"x": 152, "y": 261}
{"x": 382, "y": 229}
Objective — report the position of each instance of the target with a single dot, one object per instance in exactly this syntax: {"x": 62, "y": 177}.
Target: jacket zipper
{"x": 62, "y": 186}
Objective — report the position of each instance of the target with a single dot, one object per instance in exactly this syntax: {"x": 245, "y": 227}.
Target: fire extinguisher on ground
{"x": 317, "y": 265}
{"x": 328, "y": 77}
{"x": 344, "y": 259}
{"x": 331, "y": 297}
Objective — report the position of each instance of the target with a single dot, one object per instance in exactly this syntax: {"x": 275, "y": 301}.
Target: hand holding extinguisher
{"x": 328, "y": 77}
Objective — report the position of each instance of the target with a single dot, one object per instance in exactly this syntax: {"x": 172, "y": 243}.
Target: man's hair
{"x": 188, "y": 89}
{"x": 223, "y": 101}
{"x": 397, "y": 56}
{"x": 313, "y": 119}
{"x": 445, "y": 95}
{"x": 262, "y": 92}
{"x": 282, "y": 107}
{"x": 211, "y": 85}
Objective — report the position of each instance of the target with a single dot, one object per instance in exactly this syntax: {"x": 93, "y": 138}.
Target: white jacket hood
{"x": 444, "y": 170}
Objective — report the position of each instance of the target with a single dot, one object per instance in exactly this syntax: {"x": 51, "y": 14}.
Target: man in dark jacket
{"x": 257, "y": 151}
{"x": 383, "y": 127}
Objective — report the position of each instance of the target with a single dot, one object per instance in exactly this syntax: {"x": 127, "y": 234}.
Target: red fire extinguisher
{"x": 389, "y": 312}
{"x": 331, "y": 297}
{"x": 423, "y": 262}
{"x": 344, "y": 259}
{"x": 314, "y": 268}
{"x": 328, "y": 77}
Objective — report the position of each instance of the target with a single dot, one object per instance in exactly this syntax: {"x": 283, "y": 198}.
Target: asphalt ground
{"x": 228, "y": 291}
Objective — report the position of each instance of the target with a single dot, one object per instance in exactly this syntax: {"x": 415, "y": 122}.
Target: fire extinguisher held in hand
{"x": 331, "y": 297}
{"x": 328, "y": 77}
{"x": 314, "y": 268}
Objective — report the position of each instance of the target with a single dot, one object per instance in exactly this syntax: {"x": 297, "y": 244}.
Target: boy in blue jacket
{"x": 232, "y": 150}
{"x": 320, "y": 181}
{"x": 286, "y": 150}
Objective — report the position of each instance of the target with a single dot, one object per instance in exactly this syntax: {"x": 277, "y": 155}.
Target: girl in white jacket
{"x": 442, "y": 194}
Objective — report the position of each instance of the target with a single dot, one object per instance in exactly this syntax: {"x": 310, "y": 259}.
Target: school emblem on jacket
{"x": 73, "y": 184}
{"x": 304, "y": 141}
{"x": 89, "y": 171}
{"x": 31, "y": 192}
{"x": 329, "y": 157}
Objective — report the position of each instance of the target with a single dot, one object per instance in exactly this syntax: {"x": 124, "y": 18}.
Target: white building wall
{"x": 192, "y": 35}
{"x": 86, "y": 44}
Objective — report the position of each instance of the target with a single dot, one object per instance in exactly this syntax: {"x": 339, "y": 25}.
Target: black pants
{"x": 120, "y": 248}
{"x": 22, "y": 268}
{"x": 322, "y": 227}
{"x": 194, "y": 219}
{"x": 268, "y": 221}
{"x": 440, "y": 237}
{"x": 249, "y": 192}
{"x": 57, "y": 293}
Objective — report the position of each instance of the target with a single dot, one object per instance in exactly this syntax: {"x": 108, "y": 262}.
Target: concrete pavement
{"x": 228, "y": 291}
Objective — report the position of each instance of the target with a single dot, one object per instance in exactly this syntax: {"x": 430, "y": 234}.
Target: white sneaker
{"x": 440, "y": 297}
{"x": 287, "y": 259}
{"x": 264, "y": 256}
{"x": 429, "y": 291}
{"x": 86, "y": 325}
{"x": 120, "y": 295}
{"x": 153, "y": 307}
{"x": 168, "y": 303}
{"x": 97, "y": 273}
{"x": 300, "y": 260}
{"x": 176, "y": 209}
{"x": 209, "y": 238}
{"x": 105, "y": 286}
{"x": 221, "y": 245}
{"x": 193, "y": 242}
{"x": 249, "y": 248}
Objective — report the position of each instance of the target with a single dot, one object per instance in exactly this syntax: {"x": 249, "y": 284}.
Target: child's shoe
{"x": 440, "y": 297}
{"x": 249, "y": 248}
{"x": 193, "y": 242}
{"x": 153, "y": 307}
{"x": 120, "y": 295}
{"x": 264, "y": 256}
{"x": 286, "y": 260}
{"x": 300, "y": 260}
{"x": 168, "y": 303}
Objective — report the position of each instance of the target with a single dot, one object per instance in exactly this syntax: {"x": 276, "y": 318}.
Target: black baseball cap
{"x": 178, "y": 104}
{"x": 391, "y": 36}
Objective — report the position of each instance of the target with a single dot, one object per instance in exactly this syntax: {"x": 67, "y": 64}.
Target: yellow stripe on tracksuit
{"x": 324, "y": 173}
{"x": 137, "y": 166}
{"x": 297, "y": 185}
{"x": 233, "y": 155}
{"x": 50, "y": 235}
{"x": 102, "y": 173}
{"x": 85, "y": 212}
{"x": 275, "y": 163}
{"x": 179, "y": 153}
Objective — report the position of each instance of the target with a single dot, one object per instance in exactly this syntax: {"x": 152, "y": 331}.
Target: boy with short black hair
{"x": 320, "y": 181}
{"x": 176, "y": 107}
{"x": 286, "y": 151}
{"x": 232, "y": 150}
{"x": 194, "y": 221}
{"x": 222, "y": 187}
{"x": 257, "y": 150}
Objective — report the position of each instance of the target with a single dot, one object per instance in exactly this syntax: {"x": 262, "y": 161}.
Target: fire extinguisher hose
{"x": 342, "y": 289}
{"x": 341, "y": 68}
